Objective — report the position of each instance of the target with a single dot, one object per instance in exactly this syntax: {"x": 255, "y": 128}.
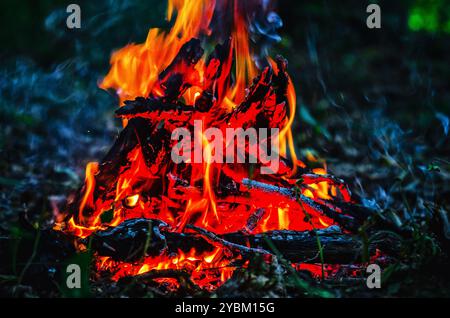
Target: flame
{"x": 283, "y": 217}
{"x": 208, "y": 190}
{"x": 245, "y": 69}
{"x": 132, "y": 200}
{"x": 135, "y": 68}
{"x": 140, "y": 70}
{"x": 91, "y": 170}
{"x": 209, "y": 270}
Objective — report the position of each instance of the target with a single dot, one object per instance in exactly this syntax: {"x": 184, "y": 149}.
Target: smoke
{"x": 260, "y": 17}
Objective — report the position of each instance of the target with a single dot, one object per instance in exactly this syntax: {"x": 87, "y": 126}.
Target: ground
{"x": 372, "y": 104}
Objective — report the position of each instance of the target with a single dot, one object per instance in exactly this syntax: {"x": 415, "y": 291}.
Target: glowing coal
{"x": 203, "y": 214}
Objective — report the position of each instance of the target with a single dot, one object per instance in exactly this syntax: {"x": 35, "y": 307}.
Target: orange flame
{"x": 135, "y": 68}
{"x": 135, "y": 71}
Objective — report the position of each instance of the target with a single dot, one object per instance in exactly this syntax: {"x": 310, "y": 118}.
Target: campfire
{"x": 205, "y": 215}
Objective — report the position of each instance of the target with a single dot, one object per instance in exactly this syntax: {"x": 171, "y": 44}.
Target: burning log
{"x": 181, "y": 73}
{"x": 145, "y": 107}
{"x": 216, "y": 240}
{"x": 127, "y": 242}
{"x": 347, "y": 222}
{"x": 200, "y": 214}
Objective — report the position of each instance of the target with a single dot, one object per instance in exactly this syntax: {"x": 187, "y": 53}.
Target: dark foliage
{"x": 373, "y": 104}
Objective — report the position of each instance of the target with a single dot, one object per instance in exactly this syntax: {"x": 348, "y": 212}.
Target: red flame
{"x": 136, "y": 71}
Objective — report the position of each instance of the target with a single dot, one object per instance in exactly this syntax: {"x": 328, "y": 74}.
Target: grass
{"x": 374, "y": 107}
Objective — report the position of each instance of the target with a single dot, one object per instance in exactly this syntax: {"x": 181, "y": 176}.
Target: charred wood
{"x": 128, "y": 240}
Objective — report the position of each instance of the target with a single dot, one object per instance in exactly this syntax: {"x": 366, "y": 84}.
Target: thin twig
{"x": 214, "y": 239}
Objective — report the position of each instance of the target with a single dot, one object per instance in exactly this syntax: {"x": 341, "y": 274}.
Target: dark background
{"x": 374, "y": 104}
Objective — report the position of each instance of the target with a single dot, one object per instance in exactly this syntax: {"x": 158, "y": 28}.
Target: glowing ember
{"x": 169, "y": 82}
